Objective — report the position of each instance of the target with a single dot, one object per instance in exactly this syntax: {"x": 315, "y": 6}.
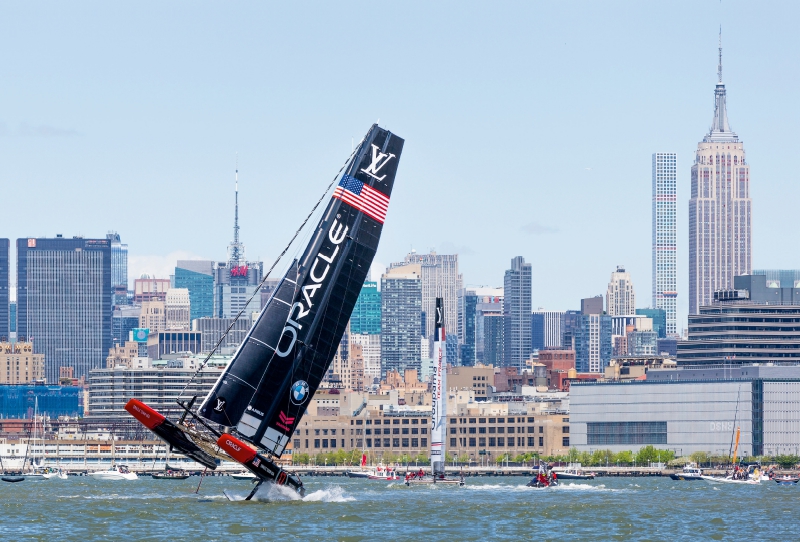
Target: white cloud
{"x": 534, "y": 228}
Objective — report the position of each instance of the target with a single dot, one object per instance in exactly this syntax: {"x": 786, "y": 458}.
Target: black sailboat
{"x": 262, "y": 394}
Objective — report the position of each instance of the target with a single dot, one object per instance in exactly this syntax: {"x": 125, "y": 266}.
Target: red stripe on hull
{"x": 150, "y": 418}
{"x": 235, "y": 448}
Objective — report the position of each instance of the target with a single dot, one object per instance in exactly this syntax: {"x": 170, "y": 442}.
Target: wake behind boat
{"x": 258, "y": 401}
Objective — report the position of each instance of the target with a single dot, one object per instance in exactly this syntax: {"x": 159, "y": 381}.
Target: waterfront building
{"x": 5, "y": 298}
{"x": 691, "y": 410}
{"x": 665, "y": 238}
{"x": 749, "y": 324}
{"x": 620, "y": 296}
{"x": 64, "y": 301}
{"x": 517, "y": 313}
{"x": 147, "y": 288}
{"x": 177, "y": 310}
{"x": 719, "y": 209}
{"x": 197, "y": 276}
{"x": 552, "y": 322}
{"x": 401, "y": 318}
{"x": 366, "y": 317}
{"x": 158, "y": 386}
{"x": 473, "y": 302}
{"x": 19, "y": 365}
{"x": 659, "y": 318}
{"x": 20, "y": 401}
{"x": 152, "y": 316}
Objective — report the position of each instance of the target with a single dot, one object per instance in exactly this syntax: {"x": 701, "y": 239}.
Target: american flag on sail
{"x": 363, "y": 197}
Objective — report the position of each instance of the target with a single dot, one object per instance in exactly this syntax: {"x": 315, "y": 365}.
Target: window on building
{"x": 396, "y": 442}
{"x": 423, "y": 442}
{"x": 415, "y": 430}
{"x": 405, "y": 443}
{"x": 395, "y": 430}
{"x": 324, "y": 443}
{"x": 511, "y": 430}
{"x": 472, "y": 420}
{"x": 492, "y": 442}
{"x": 296, "y": 443}
{"x": 452, "y": 420}
{"x": 369, "y": 442}
{"x": 481, "y": 420}
{"x": 316, "y": 431}
{"x": 333, "y": 431}
{"x": 316, "y": 443}
{"x": 414, "y": 422}
{"x": 395, "y": 422}
{"x": 424, "y": 430}
{"x": 481, "y": 441}
{"x": 386, "y": 443}
{"x": 491, "y": 429}
{"x": 472, "y": 430}
{"x": 501, "y": 420}
{"x": 472, "y": 441}
{"x": 531, "y": 429}
{"x": 541, "y": 441}
{"x": 324, "y": 431}
{"x": 541, "y": 429}
{"x": 492, "y": 420}
{"x": 482, "y": 430}
{"x": 626, "y": 433}
{"x": 415, "y": 443}
{"x": 405, "y": 422}
{"x": 369, "y": 431}
{"x": 453, "y": 443}
{"x": 565, "y": 442}
{"x": 530, "y": 420}
{"x": 501, "y": 441}
{"x": 377, "y": 422}
{"x": 565, "y": 429}
{"x": 531, "y": 441}
{"x": 452, "y": 430}
{"x": 501, "y": 430}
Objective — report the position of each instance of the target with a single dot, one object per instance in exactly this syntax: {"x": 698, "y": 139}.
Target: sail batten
{"x": 292, "y": 344}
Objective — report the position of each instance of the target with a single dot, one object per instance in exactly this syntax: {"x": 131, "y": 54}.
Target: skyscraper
{"x": 517, "y": 314}
{"x": 366, "y": 317}
{"x": 64, "y": 295}
{"x": 5, "y": 313}
{"x": 593, "y": 343}
{"x": 552, "y": 323}
{"x": 537, "y": 331}
{"x": 719, "y": 209}
{"x": 401, "y": 318}
{"x": 236, "y": 280}
{"x": 198, "y": 277}
{"x": 440, "y": 278}
{"x": 665, "y": 247}
{"x": 620, "y": 296}
{"x": 472, "y": 302}
{"x": 119, "y": 267}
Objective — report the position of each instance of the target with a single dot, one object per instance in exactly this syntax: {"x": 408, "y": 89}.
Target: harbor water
{"x": 648, "y": 508}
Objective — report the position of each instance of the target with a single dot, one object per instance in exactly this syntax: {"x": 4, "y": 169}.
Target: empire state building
{"x": 719, "y": 209}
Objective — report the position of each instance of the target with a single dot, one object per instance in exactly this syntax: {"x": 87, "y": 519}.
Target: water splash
{"x": 332, "y": 494}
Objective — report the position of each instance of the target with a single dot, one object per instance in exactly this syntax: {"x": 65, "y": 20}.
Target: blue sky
{"x": 529, "y": 126}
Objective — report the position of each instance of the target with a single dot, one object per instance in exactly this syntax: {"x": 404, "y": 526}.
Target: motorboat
{"x": 54, "y": 474}
{"x": 574, "y": 472}
{"x": 243, "y": 475}
{"x": 730, "y": 480}
{"x": 383, "y": 473}
{"x": 786, "y": 480}
{"x": 120, "y": 472}
{"x": 171, "y": 474}
{"x": 689, "y": 473}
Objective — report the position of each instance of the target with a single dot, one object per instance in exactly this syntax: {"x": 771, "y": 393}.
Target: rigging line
{"x": 266, "y": 276}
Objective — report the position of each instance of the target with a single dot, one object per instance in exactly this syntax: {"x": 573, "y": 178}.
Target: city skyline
{"x": 156, "y": 154}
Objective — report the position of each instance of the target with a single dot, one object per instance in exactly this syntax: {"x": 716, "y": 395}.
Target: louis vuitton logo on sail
{"x": 379, "y": 159}
{"x": 317, "y": 273}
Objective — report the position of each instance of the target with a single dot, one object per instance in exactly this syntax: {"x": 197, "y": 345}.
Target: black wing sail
{"x": 267, "y": 386}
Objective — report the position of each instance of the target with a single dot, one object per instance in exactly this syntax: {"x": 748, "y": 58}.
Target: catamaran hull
{"x": 262, "y": 467}
{"x": 170, "y": 433}
{"x": 352, "y": 474}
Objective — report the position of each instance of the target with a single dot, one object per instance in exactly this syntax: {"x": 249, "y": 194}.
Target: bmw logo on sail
{"x": 299, "y": 392}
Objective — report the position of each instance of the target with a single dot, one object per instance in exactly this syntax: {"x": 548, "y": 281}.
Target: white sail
{"x": 439, "y": 407}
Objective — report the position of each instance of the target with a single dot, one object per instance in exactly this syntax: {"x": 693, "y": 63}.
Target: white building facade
{"x": 665, "y": 245}
{"x": 620, "y": 296}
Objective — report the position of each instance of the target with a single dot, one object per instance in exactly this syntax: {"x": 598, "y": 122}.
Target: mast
{"x": 439, "y": 407}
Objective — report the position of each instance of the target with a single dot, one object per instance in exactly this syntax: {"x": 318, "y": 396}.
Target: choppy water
{"x": 342, "y": 509}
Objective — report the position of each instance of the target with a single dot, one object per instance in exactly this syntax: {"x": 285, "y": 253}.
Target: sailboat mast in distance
{"x": 439, "y": 408}
{"x": 266, "y": 388}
